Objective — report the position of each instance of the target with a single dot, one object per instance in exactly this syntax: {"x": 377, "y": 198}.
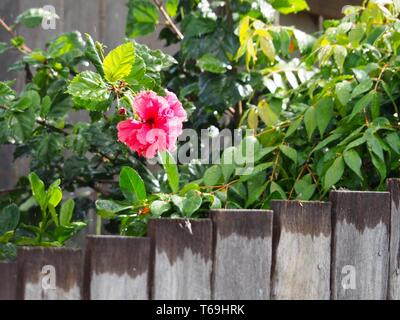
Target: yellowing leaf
{"x": 252, "y": 118}
{"x": 267, "y": 48}
{"x": 266, "y": 113}
{"x": 118, "y": 63}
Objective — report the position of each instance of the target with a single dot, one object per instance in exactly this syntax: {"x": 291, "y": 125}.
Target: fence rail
{"x": 347, "y": 248}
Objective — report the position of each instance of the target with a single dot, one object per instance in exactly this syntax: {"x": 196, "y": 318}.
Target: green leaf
{"x": 304, "y": 189}
{"x": 90, "y": 86}
{"x": 362, "y": 104}
{"x": 9, "y": 218}
{"x": 334, "y": 173}
{"x": 158, "y": 207}
{"x": 132, "y": 185}
{"x": 379, "y": 164}
{"x": 54, "y": 194}
{"x": 142, "y": 18}
{"x": 339, "y": 54}
{"x": 310, "y": 121}
{"x": 228, "y": 163}
{"x": 171, "y": 169}
{"x": 118, "y": 63}
{"x": 212, "y": 175}
{"x": 293, "y": 127}
{"x": 362, "y": 87}
{"x": 289, "y": 6}
{"x": 353, "y": 161}
{"x": 66, "y": 212}
{"x": 393, "y": 141}
{"x": 323, "y": 113}
{"x": 22, "y": 124}
{"x": 172, "y": 7}
{"x": 343, "y": 92}
{"x": 276, "y": 188}
{"x": 191, "y": 203}
{"x": 38, "y": 190}
{"x": 33, "y": 17}
{"x": 45, "y": 107}
{"x": 212, "y": 64}
{"x": 304, "y": 40}
{"x": 6, "y": 94}
{"x": 289, "y": 152}
{"x": 107, "y": 209}
{"x": 374, "y": 145}
{"x": 93, "y": 55}
{"x": 268, "y": 114}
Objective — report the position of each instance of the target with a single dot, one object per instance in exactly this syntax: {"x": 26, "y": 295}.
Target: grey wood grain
{"x": 182, "y": 261}
{"x": 8, "y": 280}
{"x": 49, "y": 273}
{"x": 242, "y": 254}
{"x": 394, "y": 269}
{"x": 360, "y": 251}
{"x": 117, "y": 268}
{"x": 301, "y": 250}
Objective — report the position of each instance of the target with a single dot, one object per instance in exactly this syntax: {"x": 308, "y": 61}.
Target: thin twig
{"x": 14, "y": 34}
{"x": 168, "y": 19}
{"x": 47, "y": 125}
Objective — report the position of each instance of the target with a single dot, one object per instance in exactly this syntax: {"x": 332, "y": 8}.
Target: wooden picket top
{"x": 394, "y": 265}
{"x": 347, "y": 248}
{"x": 302, "y": 242}
{"x": 182, "y": 258}
{"x": 360, "y": 249}
{"x": 242, "y": 254}
{"x": 117, "y": 268}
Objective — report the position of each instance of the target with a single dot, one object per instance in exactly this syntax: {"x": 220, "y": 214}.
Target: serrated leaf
{"x": 93, "y": 55}
{"x": 117, "y": 65}
{"x": 172, "y": 7}
{"x": 9, "y": 218}
{"x": 142, "y": 18}
{"x": 90, "y": 86}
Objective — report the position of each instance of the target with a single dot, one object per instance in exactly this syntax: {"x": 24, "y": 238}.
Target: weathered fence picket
{"x": 49, "y": 273}
{"x": 8, "y": 280}
{"x": 182, "y": 258}
{"x": 242, "y": 254}
{"x": 117, "y": 268}
{"x": 347, "y": 248}
{"x": 360, "y": 251}
{"x": 394, "y": 269}
{"x": 301, "y": 250}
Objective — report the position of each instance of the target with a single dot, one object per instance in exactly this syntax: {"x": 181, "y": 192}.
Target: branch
{"x": 13, "y": 35}
{"x": 47, "y": 125}
{"x": 168, "y": 19}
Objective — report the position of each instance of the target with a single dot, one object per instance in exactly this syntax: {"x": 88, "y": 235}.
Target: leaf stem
{"x": 168, "y": 19}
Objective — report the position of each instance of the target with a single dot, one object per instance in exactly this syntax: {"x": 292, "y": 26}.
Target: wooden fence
{"x": 347, "y": 248}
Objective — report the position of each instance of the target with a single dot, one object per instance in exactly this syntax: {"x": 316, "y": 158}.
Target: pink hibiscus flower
{"x": 158, "y": 126}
